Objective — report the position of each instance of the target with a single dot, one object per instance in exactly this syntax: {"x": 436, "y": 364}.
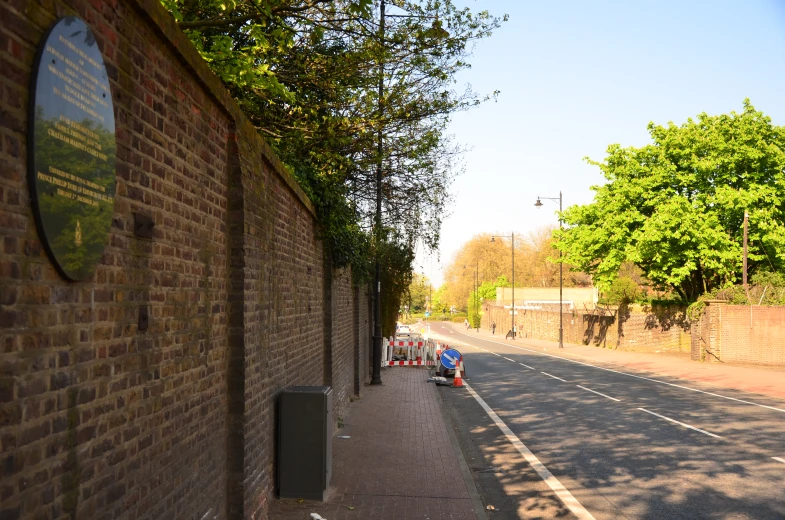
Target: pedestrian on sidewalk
{"x": 493, "y": 327}
{"x": 466, "y": 323}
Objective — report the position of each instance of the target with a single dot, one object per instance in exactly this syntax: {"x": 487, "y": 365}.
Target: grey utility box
{"x": 305, "y": 449}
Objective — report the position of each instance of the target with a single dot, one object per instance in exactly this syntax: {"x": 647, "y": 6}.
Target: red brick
{"x": 86, "y": 380}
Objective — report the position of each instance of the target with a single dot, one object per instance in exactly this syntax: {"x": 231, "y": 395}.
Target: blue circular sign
{"x": 450, "y": 358}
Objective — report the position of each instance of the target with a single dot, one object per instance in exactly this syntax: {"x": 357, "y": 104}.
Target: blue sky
{"x": 576, "y": 76}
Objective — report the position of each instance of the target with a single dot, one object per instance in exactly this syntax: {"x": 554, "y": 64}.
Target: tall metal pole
{"x": 744, "y": 273}
{"x": 512, "y": 242}
{"x": 376, "y": 378}
{"x": 561, "y": 270}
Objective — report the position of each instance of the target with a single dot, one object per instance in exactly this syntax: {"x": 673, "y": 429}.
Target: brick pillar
{"x": 696, "y": 339}
{"x": 235, "y": 375}
{"x": 327, "y": 318}
{"x": 712, "y": 332}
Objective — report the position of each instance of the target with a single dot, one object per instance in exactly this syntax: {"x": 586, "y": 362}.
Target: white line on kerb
{"x": 640, "y": 377}
{"x": 508, "y": 359}
{"x": 549, "y": 375}
{"x": 778, "y": 459}
{"x": 595, "y": 392}
{"x": 527, "y": 366}
{"x": 680, "y": 423}
{"x": 565, "y": 496}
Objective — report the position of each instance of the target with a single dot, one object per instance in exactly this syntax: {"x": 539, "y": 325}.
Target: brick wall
{"x": 343, "y": 341}
{"x": 743, "y": 334}
{"x": 99, "y": 419}
{"x": 661, "y": 329}
{"x": 724, "y": 333}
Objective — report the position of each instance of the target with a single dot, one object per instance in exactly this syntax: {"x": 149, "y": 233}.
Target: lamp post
{"x": 512, "y": 307}
{"x": 561, "y": 268}
{"x": 376, "y": 378}
{"x": 377, "y": 287}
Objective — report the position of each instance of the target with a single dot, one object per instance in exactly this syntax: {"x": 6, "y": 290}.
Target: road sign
{"x": 449, "y": 358}
{"x": 427, "y": 314}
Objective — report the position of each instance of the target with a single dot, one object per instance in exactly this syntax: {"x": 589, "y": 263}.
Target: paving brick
{"x": 399, "y": 462}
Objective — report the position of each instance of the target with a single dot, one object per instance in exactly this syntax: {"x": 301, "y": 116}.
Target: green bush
{"x": 765, "y": 288}
{"x": 623, "y": 290}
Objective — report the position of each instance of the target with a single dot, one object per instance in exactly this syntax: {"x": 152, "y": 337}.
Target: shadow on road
{"x": 615, "y": 459}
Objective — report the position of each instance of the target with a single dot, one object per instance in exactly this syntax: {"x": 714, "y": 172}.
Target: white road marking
{"x": 641, "y": 377}
{"x": 680, "y": 423}
{"x": 508, "y": 359}
{"x": 778, "y": 459}
{"x": 565, "y": 496}
{"x": 527, "y": 366}
{"x": 495, "y": 354}
{"x": 547, "y": 374}
{"x": 594, "y": 392}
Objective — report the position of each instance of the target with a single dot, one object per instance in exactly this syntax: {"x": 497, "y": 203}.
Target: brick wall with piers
{"x": 98, "y": 418}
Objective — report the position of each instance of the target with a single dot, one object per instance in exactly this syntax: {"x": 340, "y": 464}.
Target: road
{"x": 612, "y": 443}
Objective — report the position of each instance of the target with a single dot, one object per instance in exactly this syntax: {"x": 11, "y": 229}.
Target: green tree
{"x": 397, "y": 257}
{"x": 418, "y": 293}
{"x": 486, "y": 292}
{"x": 440, "y": 304}
{"x": 675, "y": 207}
{"x": 623, "y": 290}
{"x": 306, "y": 73}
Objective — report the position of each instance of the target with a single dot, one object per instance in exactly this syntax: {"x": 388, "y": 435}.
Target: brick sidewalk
{"x": 399, "y": 462}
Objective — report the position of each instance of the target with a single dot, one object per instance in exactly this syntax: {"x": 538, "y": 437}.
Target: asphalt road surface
{"x": 574, "y": 440}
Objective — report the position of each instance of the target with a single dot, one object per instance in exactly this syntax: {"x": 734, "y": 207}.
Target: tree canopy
{"x": 418, "y": 293}
{"x": 675, "y": 207}
{"x": 307, "y": 74}
{"x": 535, "y": 266}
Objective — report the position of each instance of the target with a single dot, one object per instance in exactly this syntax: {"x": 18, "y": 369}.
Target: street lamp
{"x": 376, "y": 351}
{"x": 561, "y": 268}
{"x": 512, "y": 247}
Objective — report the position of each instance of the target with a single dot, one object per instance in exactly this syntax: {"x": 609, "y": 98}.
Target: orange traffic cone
{"x": 457, "y": 382}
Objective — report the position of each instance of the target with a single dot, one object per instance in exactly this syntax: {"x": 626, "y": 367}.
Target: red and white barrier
{"x": 399, "y": 343}
{"x": 417, "y": 353}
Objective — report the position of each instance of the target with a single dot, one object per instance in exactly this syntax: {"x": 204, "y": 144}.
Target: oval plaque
{"x": 72, "y": 148}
